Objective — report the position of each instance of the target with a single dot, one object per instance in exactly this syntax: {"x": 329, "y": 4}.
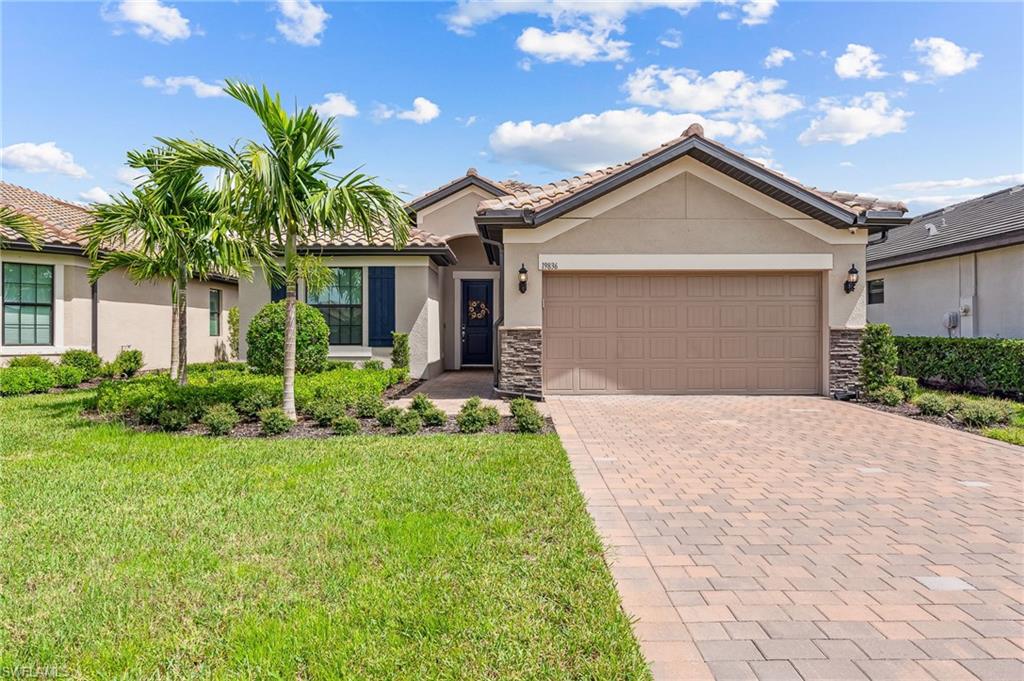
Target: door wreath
{"x": 478, "y": 309}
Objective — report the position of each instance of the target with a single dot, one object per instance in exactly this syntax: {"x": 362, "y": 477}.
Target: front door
{"x": 477, "y": 321}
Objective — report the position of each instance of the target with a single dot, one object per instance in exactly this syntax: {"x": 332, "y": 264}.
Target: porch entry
{"x": 477, "y": 322}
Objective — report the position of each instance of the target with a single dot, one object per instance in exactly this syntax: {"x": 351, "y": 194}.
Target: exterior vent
{"x": 932, "y": 229}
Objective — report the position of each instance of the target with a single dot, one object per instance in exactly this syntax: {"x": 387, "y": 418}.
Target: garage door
{"x": 752, "y": 333}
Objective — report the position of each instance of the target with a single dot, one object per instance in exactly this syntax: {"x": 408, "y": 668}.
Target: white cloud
{"x": 574, "y": 46}
{"x": 910, "y": 76}
{"x": 468, "y": 14}
{"x": 336, "y": 104}
{"x": 593, "y": 141}
{"x": 467, "y": 121}
{"x": 732, "y": 94}
{"x": 868, "y": 116}
{"x": 150, "y": 19}
{"x": 859, "y": 61}
{"x": 423, "y": 111}
{"x": 936, "y": 199}
{"x": 672, "y": 39}
{"x": 777, "y": 57}
{"x": 846, "y": 164}
{"x": 40, "y": 158}
{"x": 173, "y": 84}
{"x": 944, "y": 57}
{"x": 132, "y": 177}
{"x": 95, "y": 195}
{"x": 754, "y": 12}
{"x": 961, "y": 183}
{"x": 301, "y": 21}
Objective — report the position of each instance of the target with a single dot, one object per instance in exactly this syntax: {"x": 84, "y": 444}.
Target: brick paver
{"x": 802, "y": 538}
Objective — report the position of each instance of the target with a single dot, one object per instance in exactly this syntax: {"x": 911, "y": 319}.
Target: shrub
{"x": 932, "y": 404}
{"x": 340, "y": 364}
{"x": 474, "y": 417}
{"x": 389, "y": 417}
{"x": 25, "y": 380}
{"x": 906, "y": 385}
{"x": 421, "y": 403}
{"x": 982, "y": 412}
{"x": 220, "y": 419}
{"x": 88, "y": 362}
{"x": 107, "y": 370}
{"x": 993, "y": 365}
{"x": 399, "y": 350}
{"x": 30, "y": 362}
{"x": 369, "y": 406}
{"x": 259, "y": 396}
{"x": 174, "y": 419}
{"x": 206, "y": 367}
{"x": 373, "y": 365}
{"x": 878, "y": 358}
{"x": 324, "y": 413}
{"x": 345, "y": 425}
{"x": 433, "y": 417}
{"x": 234, "y": 323}
{"x": 408, "y": 423}
{"x": 127, "y": 363}
{"x": 273, "y": 421}
{"x": 889, "y": 395}
{"x": 265, "y": 338}
{"x": 528, "y": 419}
{"x": 67, "y": 376}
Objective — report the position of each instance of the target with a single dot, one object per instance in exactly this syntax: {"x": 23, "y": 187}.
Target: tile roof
{"x": 994, "y": 215}
{"x": 538, "y": 198}
{"x": 470, "y": 178}
{"x": 353, "y": 237}
{"x": 60, "y": 219}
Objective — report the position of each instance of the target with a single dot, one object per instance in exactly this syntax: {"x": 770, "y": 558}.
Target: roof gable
{"x": 470, "y": 179}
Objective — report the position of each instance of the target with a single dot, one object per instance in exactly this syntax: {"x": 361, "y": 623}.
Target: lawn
{"x": 145, "y": 554}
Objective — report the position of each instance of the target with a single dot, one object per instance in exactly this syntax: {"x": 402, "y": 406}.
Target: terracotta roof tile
{"x": 356, "y": 238}
{"x": 61, "y": 220}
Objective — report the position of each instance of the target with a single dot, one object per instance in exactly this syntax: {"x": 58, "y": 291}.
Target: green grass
{"x": 131, "y": 555}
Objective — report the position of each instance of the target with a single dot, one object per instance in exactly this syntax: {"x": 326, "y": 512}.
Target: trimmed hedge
{"x": 265, "y": 338}
{"x": 25, "y": 380}
{"x": 982, "y": 365}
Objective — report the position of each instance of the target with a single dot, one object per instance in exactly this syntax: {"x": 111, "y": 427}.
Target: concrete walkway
{"x": 802, "y": 538}
{"x": 450, "y": 389}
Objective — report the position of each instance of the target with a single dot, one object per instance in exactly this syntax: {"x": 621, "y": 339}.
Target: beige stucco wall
{"x": 453, "y": 216}
{"x": 686, "y": 208}
{"x": 417, "y": 310}
{"x": 129, "y": 315}
{"x": 988, "y": 286}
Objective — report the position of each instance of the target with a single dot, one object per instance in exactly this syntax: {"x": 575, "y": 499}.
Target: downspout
{"x": 95, "y": 316}
{"x": 495, "y": 336}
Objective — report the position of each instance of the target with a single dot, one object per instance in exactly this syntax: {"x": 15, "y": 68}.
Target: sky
{"x": 921, "y": 102}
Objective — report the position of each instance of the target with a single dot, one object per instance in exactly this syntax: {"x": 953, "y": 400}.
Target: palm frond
{"x": 23, "y": 226}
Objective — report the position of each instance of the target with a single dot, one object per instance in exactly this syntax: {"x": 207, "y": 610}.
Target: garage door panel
{"x": 755, "y": 333}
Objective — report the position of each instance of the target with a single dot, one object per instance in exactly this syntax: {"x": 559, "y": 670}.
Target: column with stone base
{"x": 520, "y": 360}
{"x": 844, "y": 360}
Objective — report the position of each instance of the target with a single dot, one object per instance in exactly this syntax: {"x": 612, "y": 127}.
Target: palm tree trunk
{"x": 182, "y": 327}
{"x": 174, "y": 329}
{"x": 289, "y": 326}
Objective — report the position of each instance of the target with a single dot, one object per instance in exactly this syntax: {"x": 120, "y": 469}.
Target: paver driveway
{"x": 798, "y": 537}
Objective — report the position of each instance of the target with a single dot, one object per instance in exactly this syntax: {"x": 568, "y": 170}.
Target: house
{"x": 956, "y": 271}
{"x": 49, "y": 305}
{"x": 690, "y": 269}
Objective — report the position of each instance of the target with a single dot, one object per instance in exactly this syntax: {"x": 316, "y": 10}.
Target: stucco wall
{"x": 469, "y": 251}
{"x": 453, "y": 216}
{"x": 989, "y": 283}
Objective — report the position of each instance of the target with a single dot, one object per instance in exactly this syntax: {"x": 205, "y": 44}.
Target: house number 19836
{"x": 549, "y": 265}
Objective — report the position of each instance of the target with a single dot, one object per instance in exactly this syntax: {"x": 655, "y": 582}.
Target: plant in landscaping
{"x": 878, "y": 358}
{"x": 408, "y": 423}
{"x": 234, "y": 326}
{"x": 283, "y": 195}
{"x": 369, "y": 406}
{"x": 421, "y": 403}
{"x": 25, "y": 380}
{"x": 128, "y": 363}
{"x": 932, "y": 404}
{"x": 345, "y": 425}
{"x": 273, "y": 421}
{"x": 266, "y": 333}
{"x": 67, "y": 376}
{"x": 433, "y": 417}
{"x": 325, "y": 412}
{"x": 220, "y": 419}
{"x": 258, "y": 397}
{"x": 399, "y": 349}
{"x": 981, "y": 412}
{"x": 174, "y": 420}
{"x": 528, "y": 419}
{"x": 993, "y": 365}
{"x": 889, "y": 395}
{"x": 474, "y": 417}
{"x": 906, "y": 385}
{"x": 389, "y": 417}
{"x": 373, "y": 365}
{"x": 88, "y": 362}
{"x": 30, "y": 362}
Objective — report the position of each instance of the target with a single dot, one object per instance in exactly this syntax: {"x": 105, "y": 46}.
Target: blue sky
{"x": 916, "y": 101}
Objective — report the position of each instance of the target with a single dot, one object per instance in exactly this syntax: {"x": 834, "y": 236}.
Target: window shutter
{"x": 277, "y": 292}
{"x": 381, "y": 305}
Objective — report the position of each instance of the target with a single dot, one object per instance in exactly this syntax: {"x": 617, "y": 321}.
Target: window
{"x": 28, "y": 304}
{"x": 341, "y": 304}
{"x": 214, "y": 312}
{"x": 876, "y": 291}
{"x": 277, "y": 292}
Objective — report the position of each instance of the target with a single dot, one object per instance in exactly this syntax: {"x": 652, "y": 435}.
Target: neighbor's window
{"x": 214, "y": 312}
{"x": 876, "y": 291}
{"x": 341, "y": 304}
{"x": 28, "y": 304}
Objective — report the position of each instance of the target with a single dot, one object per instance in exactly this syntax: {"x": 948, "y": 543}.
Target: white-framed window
{"x": 28, "y": 304}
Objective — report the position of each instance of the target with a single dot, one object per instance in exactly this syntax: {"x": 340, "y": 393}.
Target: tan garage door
{"x": 754, "y": 333}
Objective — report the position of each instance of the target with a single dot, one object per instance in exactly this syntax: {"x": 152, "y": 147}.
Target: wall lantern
{"x": 852, "y": 277}
{"x": 522, "y": 278}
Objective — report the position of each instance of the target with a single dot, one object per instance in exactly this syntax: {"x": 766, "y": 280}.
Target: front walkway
{"x": 802, "y": 538}
{"x": 450, "y": 389}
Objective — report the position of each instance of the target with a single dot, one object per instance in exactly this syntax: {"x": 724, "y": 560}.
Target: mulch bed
{"x": 910, "y": 411}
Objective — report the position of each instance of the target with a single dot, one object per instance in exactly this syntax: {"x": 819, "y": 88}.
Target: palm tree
{"x": 283, "y": 193}
{"x": 167, "y": 228}
{"x": 22, "y": 226}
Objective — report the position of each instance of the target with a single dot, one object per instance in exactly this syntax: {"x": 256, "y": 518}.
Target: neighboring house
{"x": 49, "y": 305}
{"x": 956, "y": 271}
{"x": 691, "y": 269}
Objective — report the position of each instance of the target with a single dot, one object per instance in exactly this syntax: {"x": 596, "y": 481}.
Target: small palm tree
{"x": 167, "y": 228}
{"x": 22, "y": 226}
{"x": 283, "y": 193}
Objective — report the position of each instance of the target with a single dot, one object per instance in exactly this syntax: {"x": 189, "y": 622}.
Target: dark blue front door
{"x": 477, "y": 321}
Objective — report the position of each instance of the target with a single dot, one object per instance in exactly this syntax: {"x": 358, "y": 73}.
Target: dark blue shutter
{"x": 381, "y": 305}
{"x": 277, "y": 292}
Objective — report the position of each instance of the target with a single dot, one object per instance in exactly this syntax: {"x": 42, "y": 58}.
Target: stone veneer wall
{"x": 844, "y": 360}
{"x": 520, "y": 360}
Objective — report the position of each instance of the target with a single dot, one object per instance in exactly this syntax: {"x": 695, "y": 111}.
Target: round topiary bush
{"x": 265, "y": 338}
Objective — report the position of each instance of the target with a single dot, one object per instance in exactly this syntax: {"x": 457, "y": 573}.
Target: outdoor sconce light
{"x": 522, "y": 278}
{"x": 852, "y": 277}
